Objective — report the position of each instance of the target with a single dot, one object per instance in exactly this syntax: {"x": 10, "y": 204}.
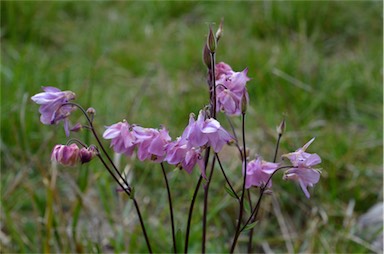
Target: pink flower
{"x": 179, "y": 152}
{"x": 206, "y": 132}
{"x": 258, "y": 173}
{"x": 52, "y": 107}
{"x": 304, "y": 173}
{"x": 71, "y": 155}
{"x": 231, "y": 89}
{"x": 151, "y": 143}
{"x": 123, "y": 137}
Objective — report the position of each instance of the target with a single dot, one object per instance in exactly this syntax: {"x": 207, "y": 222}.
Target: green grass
{"x": 141, "y": 61}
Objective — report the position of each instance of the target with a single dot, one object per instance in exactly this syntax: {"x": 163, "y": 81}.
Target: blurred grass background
{"x": 317, "y": 63}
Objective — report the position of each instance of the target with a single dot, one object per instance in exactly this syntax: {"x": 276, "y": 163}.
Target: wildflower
{"x": 206, "y": 132}
{"x": 232, "y": 94}
{"x": 179, "y": 152}
{"x": 259, "y": 172}
{"x": 123, "y": 137}
{"x": 304, "y": 173}
{"x": 151, "y": 143}
{"x": 53, "y": 108}
{"x": 71, "y": 155}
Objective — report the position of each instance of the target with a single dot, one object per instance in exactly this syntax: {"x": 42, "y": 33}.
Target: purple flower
{"x": 52, "y": 107}
{"x": 206, "y": 132}
{"x": 180, "y": 152}
{"x": 258, "y": 173}
{"x": 231, "y": 89}
{"x": 66, "y": 155}
{"x": 304, "y": 173}
{"x": 151, "y": 143}
{"x": 123, "y": 137}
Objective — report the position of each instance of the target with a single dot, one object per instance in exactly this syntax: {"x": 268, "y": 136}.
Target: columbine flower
{"x": 123, "y": 137}
{"x": 151, "y": 143}
{"x": 179, "y": 152}
{"x": 258, "y": 173}
{"x": 52, "y": 107}
{"x": 230, "y": 89}
{"x": 304, "y": 173}
{"x": 206, "y": 132}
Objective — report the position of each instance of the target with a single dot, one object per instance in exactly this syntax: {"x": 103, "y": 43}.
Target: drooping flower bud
{"x": 91, "y": 111}
{"x": 78, "y": 127}
{"x": 66, "y": 155}
{"x": 87, "y": 154}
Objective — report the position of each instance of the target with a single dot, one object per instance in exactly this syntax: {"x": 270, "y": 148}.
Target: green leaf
{"x": 251, "y": 225}
{"x": 230, "y": 192}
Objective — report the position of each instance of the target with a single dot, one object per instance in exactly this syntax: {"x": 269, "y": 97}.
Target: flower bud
{"x": 91, "y": 111}
{"x": 211, "y": 41}
{"x": 219, "y": 31}
{"x": 244, "y": 103}
{"x": 78, "y": 127}
{"x": 87, "y": 154}
{"x": 66, "y": 155}
{"x": 206, "y": 56}
{"x": 281, "y": 128}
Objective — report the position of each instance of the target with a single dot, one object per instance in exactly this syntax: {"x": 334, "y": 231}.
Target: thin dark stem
{"x": 206, "y": 190}
{"x": 253, "y": 218}
{"x": 207, "y": 152}
{"x": 127, "y": 189}
{"x": 142, "y": 225}
{"x": 277, "y": 148}
{"x": 190, "y": 213}
{"x": 170, "y": 207}
{"x": 262, "y": 190}
{"x": 250, "y": 236}
{"x": 213, "y": 80}
{"x": 244, "y": 162}
{"x": 225, "y": 176}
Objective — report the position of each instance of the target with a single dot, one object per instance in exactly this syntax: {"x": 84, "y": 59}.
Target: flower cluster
{"x": 156, "y": 145}
{"x": 259, "y": 172}
{"x": 54, "y": 107}
{"x": 230, "y": 88}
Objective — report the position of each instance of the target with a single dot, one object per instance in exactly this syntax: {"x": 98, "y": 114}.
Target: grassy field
{"x": 319, "y": 64}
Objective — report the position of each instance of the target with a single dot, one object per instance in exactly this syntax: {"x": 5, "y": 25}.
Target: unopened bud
{"x": 66, "y": 155}
{"x": 219, "y": 31}
{"x": 206, "y": 56}
{"x": 211, "y": 41}
{"x": 281, "y": 128}
{"x": 86, "y": 154}
{"x": 78, "y": 127}
{"x": 244, "y": 103}
{"x": 91, "y": 111}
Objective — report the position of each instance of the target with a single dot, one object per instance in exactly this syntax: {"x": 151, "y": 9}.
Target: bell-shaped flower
{"x": 231, "y": 89}
{"x": 206, "y": 132}
{"x": 303, "y": 173}
{"x": 123, "y": 137}
{"x": 259, "y": 173}
{"x": 66, "y": 155}
{"x": 53, "y": 108}
{"x": 179, "y": 152}
{"x": 152, "y": 143}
